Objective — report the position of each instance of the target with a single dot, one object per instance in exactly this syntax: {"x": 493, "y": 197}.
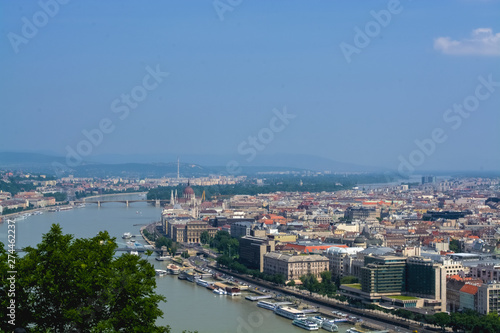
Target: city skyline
{"x": 388, "y": 84}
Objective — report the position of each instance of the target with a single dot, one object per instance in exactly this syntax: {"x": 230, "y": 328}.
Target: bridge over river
{"x": 157, "y": 203}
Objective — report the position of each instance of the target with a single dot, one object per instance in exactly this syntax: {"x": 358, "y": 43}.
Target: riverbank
{"x": 382, "y": 321}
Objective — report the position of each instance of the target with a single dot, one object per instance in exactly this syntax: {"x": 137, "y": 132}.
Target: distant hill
{"x": 40, "y": 163}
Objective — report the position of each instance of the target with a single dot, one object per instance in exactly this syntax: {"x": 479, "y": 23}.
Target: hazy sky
{"x": 363, "y": 80}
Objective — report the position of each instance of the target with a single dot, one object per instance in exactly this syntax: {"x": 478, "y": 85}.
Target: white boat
{"x": 127, "y": 235}
{"x": 354, "y": 330}
{"x": 135, "y": 253}
{"x": 201, "y": 282}
{"x": 290, "y": 313}
{"x": 163, "y": 258}
{"x": 306, "y": 324}
{"x": 317, "y": 319}
{"x": 161, "y": 272}
{"x": 266, "y": 305}
{"x": 220, "y": 291}
{"x": 329, "y": 325}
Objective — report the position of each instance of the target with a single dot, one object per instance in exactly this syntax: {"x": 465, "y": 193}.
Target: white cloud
{"x": 481, "y": 42}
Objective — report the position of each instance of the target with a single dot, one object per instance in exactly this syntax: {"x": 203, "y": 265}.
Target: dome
{"x": 188, "y": 190}
{"x": 359, "y": 240}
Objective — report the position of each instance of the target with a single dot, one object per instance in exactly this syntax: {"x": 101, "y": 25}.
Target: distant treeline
{"x": 328, "y": 183}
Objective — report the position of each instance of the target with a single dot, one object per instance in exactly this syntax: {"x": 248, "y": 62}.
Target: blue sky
{"x": 226, "y": 76}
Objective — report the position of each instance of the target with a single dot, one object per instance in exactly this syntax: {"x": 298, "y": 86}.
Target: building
{"x": 294, "y": 266}
{"x": 486, "y": 272}
{"x": 312, "y": 246}
{"x": 386, "y": 278}
{"x": 252, "y": 250}
{"x": 341, "y": 260}
{"x": 189, "y": 232}
{"x": 240, "y": 229}
{"x": 361, "y": 213}
{"x": 383, "y": 275}
{"x": 453, "y": 267}
{"x": 468, "y": 297}
{"x": 428, "y": 180}
{"x": 427, "y": 279}
{"x": 488, "y": 298}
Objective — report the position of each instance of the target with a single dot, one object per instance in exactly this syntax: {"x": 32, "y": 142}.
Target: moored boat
{"x": 266, "y": 305}
{"x": 290, "y": 313}
{"x": 127, "y": 235}
{"x": 306, "y": 324}
{"x": 201, "y": 282}
{"x": 329, "y": 325}
{"x": 161, "y": 272}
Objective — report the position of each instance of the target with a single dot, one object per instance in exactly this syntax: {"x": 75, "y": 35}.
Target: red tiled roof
{"x": 469, "y": 289}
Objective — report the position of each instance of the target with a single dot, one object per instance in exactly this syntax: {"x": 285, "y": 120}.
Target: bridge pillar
{"x": 126, "y": 202}
{"x": 157, "y": 203}
{"x": 98, "y": 204}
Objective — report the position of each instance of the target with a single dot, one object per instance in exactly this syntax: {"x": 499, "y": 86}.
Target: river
{"x": 188, "y": 306}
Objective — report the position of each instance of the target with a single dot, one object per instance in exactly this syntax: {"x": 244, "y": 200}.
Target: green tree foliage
{"x": 471, "y": 321}
{"x": 441, "y": 319}
{"x": 14, "y": 186}
{"x": 310, "y": 283}
{"x": 59, "y": 196}
{"x": 326, "y": 287}
{"x": 205, "y": 237}
{"x": 225, "y": 244}
{"x": 278, "y": 183}
{"x": 291, "y": 283}
{"x": 185, "y": 254}
{"x": 349, "y": 280}
{"x": 67, "y": 284}
{"x": 455, "y": 245}
{"x": 163, "y": 241}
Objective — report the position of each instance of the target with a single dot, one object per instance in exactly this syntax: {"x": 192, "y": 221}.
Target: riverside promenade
{"x": 381, "y": 320}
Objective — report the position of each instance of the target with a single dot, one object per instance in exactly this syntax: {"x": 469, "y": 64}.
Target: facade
{"x": 424, "y": 278}
{"x": 486, "y": 272}
{"x": 240, "y": 229}
{"x": 341, "y": 260}
{"x": 252, "y": 251}
{"x": 361, "y": 213}
{"x": 468, "y": 297}
{"x": 386, "y": 276}
{"x": 189, "y": 232}
{"x": 383, "y": 275}
{"x": 488, "y": 298}
{"x": 453, "y": 267}
{"x": 295, "y": 266}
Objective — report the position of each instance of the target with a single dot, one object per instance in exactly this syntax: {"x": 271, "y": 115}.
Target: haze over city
{"x": 379, "y": 83}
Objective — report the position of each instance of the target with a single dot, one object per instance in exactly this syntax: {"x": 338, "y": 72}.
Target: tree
{"x": 349, "y": 280}
{"x": 173, "y": 248}
{"x": 68, "y": 284}
{"x": 185, "y": 254}
{"x": 163, "y": 241}
{"x": 455, "y": 245}
{"x": 204, "y": 237}
{"x": 59, "y": 196}
{"x": 291, "y": 283}
{"x": 441, "y": 319}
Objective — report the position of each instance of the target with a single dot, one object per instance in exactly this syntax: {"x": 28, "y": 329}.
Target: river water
{"x": 188, "y": 306}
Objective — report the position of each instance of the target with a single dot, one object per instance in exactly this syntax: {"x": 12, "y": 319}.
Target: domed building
{"x": 188, "y": 193}
{"x": 359, "y": 241}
